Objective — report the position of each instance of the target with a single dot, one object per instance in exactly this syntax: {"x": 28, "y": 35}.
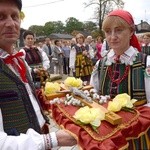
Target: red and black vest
{"x": 133, "y": 84}
{"x": 33, "y": 56}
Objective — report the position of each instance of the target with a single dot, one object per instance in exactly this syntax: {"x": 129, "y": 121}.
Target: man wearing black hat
{"x": 21, "y": 119}
{"x": 18, "y": 3}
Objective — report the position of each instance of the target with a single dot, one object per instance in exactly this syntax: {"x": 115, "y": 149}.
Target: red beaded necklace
{"x": 118, "y": 80}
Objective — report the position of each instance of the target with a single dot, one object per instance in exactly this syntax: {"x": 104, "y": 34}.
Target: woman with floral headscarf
{"x": 124, "y": 69}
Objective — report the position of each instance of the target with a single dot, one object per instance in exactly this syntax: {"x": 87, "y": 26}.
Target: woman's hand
{"x": 85, "y": 52}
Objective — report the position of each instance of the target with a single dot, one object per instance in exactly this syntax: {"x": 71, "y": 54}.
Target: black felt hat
{"x": 19, "y": 3}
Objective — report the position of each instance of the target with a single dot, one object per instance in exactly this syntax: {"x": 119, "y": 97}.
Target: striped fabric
{"x": 83, "y": 64}
{"x": 137, "y": 89}
{"x": 141, "y": 143}
{"x": 133, "y": 84}
{"x": 146, "y": 50}
{"x": 17, "y": 110}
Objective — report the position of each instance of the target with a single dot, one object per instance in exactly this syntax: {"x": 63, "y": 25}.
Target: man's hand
{"x": 65, "y": 139}
{"x": 50, "y": 56}
{"x": 37, "y": 71}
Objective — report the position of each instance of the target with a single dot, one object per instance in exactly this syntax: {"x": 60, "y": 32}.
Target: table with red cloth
{"x": 133, "y": 133}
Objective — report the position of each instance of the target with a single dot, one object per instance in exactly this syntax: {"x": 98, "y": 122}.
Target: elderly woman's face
{"x": 118, "y": 37}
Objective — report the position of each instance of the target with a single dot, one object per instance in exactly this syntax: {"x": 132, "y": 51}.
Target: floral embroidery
{"x": 127, "y": 58}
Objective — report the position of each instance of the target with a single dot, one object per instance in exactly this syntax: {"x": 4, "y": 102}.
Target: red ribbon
{"x": 21, "y": 67}
{"x": 117, "y": 59}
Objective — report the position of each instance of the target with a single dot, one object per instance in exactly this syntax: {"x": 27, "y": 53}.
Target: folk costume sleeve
{"x": 147, "y": 80}
{"x": 46, "y": 62}
{"x": 72, "y": 58}
{"x": 30, "y": 140}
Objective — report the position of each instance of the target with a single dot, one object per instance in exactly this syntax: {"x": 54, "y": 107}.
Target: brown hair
{"x": 28, "y": 32}
{"x": 99, "y": 37}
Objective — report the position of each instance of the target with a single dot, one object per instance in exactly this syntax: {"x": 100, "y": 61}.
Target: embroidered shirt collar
{"x": 127, "y": 57}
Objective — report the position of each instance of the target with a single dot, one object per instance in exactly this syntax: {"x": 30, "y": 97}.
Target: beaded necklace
{"x": 118, "y": 80}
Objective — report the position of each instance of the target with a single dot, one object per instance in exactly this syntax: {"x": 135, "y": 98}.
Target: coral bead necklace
{"x": 112, "y": 75}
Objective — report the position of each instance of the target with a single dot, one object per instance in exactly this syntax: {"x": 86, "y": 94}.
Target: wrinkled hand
{"x": 65, "y": 139}
{"x": 37, "y": 71}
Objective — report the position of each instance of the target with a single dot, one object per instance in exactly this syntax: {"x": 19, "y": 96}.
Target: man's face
{"x": 9, "y": 22}
{"x": 47, "y": 40}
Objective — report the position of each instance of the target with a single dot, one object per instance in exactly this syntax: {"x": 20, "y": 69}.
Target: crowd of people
{"x": 61, "y": 52}
{"x": 63, "y": 56}
{"x": 124, "y": 63}
{"x": 60, "y": 56}
{"x": 76, "y": 56}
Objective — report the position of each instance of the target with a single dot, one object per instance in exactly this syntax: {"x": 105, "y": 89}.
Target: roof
{"x": 60, "y": 36}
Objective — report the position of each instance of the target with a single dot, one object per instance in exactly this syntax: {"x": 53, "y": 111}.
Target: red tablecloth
{"x": 133, "y": 133}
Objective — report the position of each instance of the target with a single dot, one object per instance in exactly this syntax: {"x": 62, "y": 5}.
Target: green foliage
{"x": 49, "y": 28}
{"x": 78, "y": 122}
{"x": 97, "y": 33}
{"x": 53, "y": 27}
{"x": 73, "y": 24}
{"x": 59, "y": 27}
{"x": 38, "y": 30}
{"x": 90, "y": 26}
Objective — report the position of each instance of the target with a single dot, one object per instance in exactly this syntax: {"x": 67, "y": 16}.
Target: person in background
{"x": 105, "y": 48}
{"x": 66, "y": 50}
{"x": 83, "y": 63}
{"x": 92, "y": 48}
{"x": 58, "y": 57}
{"x": 98, "y": 47}
{"x": 123, "y": 69}
{"x": 22, "y": 123}
{"x": 48, "y": 48}
{"x": 73, "y": 42}
{"x": 72, "y": 56}
{"x": 39, "y": 46}
{"x": 146, "y": 43}
{"x": 140, "y": 39}
{"x": 34, "y": 57}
